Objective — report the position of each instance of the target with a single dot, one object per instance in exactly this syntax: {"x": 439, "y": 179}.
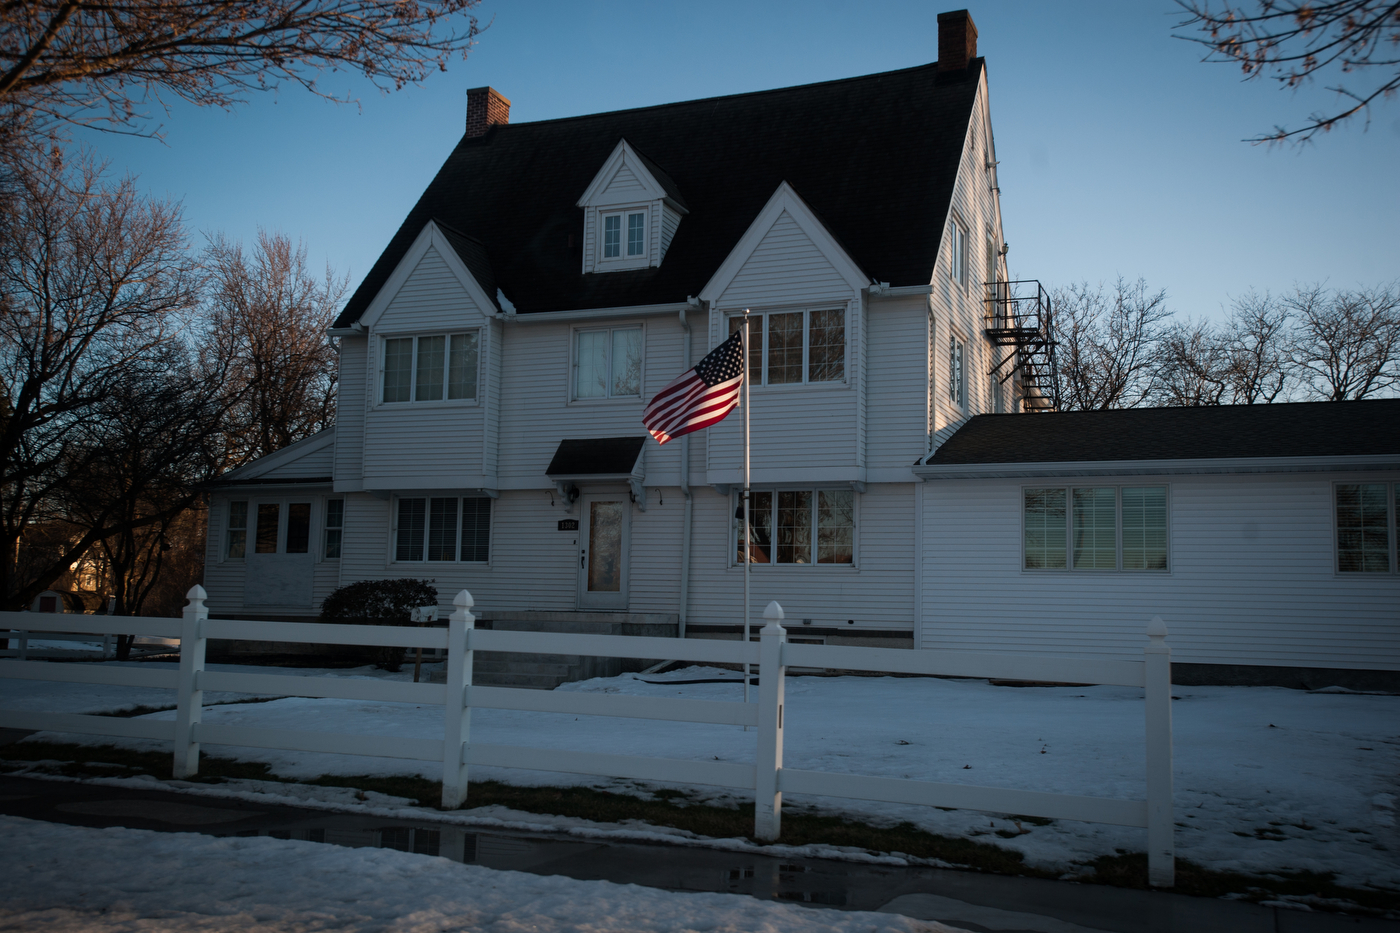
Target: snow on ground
{"x": 1267, "y": 779}
{"x": 68, "y": 879}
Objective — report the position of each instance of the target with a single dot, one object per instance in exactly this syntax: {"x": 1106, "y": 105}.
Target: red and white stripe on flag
{"x": 701, "y": 396}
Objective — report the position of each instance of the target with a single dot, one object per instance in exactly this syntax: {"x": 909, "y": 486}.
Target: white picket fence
{"x": 768, "y": 780}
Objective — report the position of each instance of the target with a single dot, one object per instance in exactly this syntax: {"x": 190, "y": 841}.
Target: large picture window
{"x": 795, "y": 346}
{"x": 1365, "y": 527}
{"x": 1094, "y": 528}
{"x": 443, "y": 528}
{"x": 430, "y": 368}
{"x": 608, "y": 363}
{"x": 798, "y": 526}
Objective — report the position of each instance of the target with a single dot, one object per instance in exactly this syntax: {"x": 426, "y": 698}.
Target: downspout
{"x": 685, "y": 493}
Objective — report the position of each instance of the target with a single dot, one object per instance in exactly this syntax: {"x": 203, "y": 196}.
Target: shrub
{"x": 379, "y": 602}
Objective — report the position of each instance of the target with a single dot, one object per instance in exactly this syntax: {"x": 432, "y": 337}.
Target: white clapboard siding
{"x": 656, "y": 551}
{"x": 784, "y": 268}
{"x": 625, "y": 182}
{"x": 879, "y": 594}
{"x": 407, "y": 441}
{"x": 351, "y": 402}
{"x": 537, "y": 412}
{"x": 670, "y": 220}
{"x": 896, "y": 407}
{"x": 1251, "y": 579}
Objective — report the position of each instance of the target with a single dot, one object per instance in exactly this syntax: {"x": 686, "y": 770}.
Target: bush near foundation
{"x": 379, "y": 602}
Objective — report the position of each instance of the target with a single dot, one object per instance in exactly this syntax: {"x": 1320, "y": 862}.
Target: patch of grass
{"x": 144, "y": 710}
{"x": 1130, "y": 871}
{"x": 88, "y": 761}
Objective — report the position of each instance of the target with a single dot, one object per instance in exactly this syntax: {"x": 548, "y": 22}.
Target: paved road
{"x": 981, "y": 903}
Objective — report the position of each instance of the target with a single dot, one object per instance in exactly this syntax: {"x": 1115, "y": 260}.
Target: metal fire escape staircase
{"x": 1019, "y": 315}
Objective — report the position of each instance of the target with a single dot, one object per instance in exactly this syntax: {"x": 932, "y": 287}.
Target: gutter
{"x": 1156, "y": 467}
{"x": 546, "y": 317}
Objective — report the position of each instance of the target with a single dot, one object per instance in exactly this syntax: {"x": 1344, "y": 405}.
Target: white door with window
{"x": 604, "y": 541}
{"x": 279, "y": 556}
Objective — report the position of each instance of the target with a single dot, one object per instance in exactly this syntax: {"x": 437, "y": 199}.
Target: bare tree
{"x": 1108, "y": 344}
{"x": 1193, "y": 366}
{"x": 92, "y": 276}
{"x": 1295, "y": 41}
{"x": 267, "y": 318}
{"x": 1347, "y": 344}
{"x": 98, "y": 63}
{"x": 1257, "y": 339}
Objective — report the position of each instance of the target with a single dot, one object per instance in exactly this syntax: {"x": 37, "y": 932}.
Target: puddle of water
{"x": 179, "y": 814}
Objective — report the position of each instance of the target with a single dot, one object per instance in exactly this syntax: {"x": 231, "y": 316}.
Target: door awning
{"x": 600, "y": 460}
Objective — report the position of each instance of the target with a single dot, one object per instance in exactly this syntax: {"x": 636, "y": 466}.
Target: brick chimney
{"x": 485, "y": 108}
{"x": 957, "y": 40}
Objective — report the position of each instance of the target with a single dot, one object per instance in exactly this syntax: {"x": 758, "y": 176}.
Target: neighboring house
{"x": 1265, "y": 536}
{"x": 496, "y": 360}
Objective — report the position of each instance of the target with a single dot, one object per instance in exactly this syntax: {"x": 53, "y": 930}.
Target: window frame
{"x": 416, "y": 337}
{"x": 958, "y": 250}
{"x": 1117, "y": 487}
{"x": 623, "y": 259}
{"x": 737, "y": 504}
{"x": 427, "y": 496}
{"x": 1392, "y": 527}
{"x": 327, "y": 528}
{"x": 841, "y": 307}
{"x": 608, "y": 396}
{"x": 229, "y": 529}
{"x": 955, "y": 341}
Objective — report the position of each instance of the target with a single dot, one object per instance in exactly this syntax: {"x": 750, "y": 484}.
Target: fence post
{"x": 768, "y": 799}
{"x": 191, "y": 698}
{"x": 1157, "y": 684}
{"x": 457, "y": 715}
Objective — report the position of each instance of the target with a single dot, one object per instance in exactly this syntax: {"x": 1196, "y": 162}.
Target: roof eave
{"x": 1323, "y": 464}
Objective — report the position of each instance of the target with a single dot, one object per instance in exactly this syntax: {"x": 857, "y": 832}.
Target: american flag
{"x": 701, "y": 396}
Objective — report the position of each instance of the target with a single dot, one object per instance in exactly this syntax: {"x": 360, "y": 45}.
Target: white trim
{"x": 431, "y": 237}
{"x": 590, "y": 314}
{"x": 1151, "y": 467}
{"x": 784, "y": 199}
{"x": 622, "y": 154}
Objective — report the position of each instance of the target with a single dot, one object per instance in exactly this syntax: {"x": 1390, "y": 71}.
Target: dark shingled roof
{"x": 875, "y": 157}
{"x": 595, "y": 456}
{"x": 1308, "y": 429}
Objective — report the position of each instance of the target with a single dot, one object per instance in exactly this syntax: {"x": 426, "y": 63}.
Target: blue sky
{"x": 1120, "y": 152}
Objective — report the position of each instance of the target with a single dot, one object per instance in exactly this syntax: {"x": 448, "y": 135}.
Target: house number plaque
{"x": 568, "y": 524}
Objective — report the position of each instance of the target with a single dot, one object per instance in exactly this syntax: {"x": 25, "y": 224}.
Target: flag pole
{"x": 748, "y": 525}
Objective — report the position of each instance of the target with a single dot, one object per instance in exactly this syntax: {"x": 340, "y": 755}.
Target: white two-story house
{"x": 554, "y": 276}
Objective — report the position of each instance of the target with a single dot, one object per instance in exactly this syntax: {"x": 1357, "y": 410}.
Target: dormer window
{"x": 635, "y": 223}
{"x": 631, "y": 211}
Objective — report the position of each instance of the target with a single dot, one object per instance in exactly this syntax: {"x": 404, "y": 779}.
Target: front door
{"x": 603, "y": 544}
{"x": 279, "y": 557}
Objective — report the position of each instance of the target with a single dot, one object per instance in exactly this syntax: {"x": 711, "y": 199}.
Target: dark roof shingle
{"x": 875, "y": 157}
{"x": 1304, "y": 429}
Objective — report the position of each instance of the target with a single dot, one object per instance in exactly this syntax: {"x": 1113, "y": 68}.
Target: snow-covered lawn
{"x": 1267, "y": 779}
{"x": 70, "y": 878}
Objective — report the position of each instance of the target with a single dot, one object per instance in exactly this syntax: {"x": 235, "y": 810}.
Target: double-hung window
{"x": 798, "y": 526}
{"x": 957, "y": 241}
{"x": 795, "y": 346}
{"x": 608, "y": 363}
{"x": 957, "y": 377}
{"x": 443, "y": 528}
{"x": 1094, "y": 528}
{"x": 624, "y": 235}
{"x": 430, "y": 368}
{"x": 335, "y": 528}
{"x": 1366, "y": 527}
{"x": 237, "y": 530}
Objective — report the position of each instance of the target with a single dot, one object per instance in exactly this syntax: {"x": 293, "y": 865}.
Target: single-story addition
{"x": 1264, "y": 535}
